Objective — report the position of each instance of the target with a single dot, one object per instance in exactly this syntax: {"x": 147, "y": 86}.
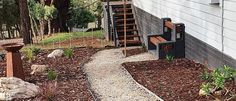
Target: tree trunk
{"x": 99, "y": 19}
{"x": 49, "y": 27}
{"x": 25, "y": 21}
{"x": 42, "y": 29}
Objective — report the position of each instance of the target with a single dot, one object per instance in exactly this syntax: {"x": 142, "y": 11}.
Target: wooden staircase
{"x": 132, "y": 36}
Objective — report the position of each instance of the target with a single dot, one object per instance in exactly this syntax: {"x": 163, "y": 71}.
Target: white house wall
{"x": 202, "y": 20}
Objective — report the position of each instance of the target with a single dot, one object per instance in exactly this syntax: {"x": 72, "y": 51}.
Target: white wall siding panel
{"x": 230, "y": 28}
{"x": 202, "y": 20}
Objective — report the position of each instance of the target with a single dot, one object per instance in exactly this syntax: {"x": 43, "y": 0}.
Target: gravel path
{"x": 111, "y": 82}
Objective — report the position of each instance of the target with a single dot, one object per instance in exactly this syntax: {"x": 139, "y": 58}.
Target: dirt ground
{"x": 72, "y": 84}
{"x": 179, "y": 80}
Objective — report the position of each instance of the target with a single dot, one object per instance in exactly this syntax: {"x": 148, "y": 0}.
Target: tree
{"x": 80, "y": 15}
{"x": 25, "y": 21}
{"x": 50, "y": 13}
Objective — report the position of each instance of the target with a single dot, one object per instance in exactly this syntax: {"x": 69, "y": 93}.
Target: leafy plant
{"x": 169, "y": 58}
{"x": 29, "y": 54}
{"x": 48, "y": 91}
{"x": 216, "y": 83}
{"x": 52, "y": 75}
{"x": 206, "y": 75}
{"x": 144, "y": 47}
{"x": 35, "y": 50}
{"x": 68, "y": 52}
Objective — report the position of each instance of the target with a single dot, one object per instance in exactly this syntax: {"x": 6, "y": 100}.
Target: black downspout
{"x": 109, "y": 19}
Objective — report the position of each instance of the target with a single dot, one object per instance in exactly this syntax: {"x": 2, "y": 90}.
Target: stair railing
{"x": 114, "y": 30}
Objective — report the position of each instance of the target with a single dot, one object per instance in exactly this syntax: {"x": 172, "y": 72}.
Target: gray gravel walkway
{"x": 111, "y": 82}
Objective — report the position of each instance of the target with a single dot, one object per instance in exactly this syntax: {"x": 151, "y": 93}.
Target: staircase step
{"x": 129, "y": 36}
{"x": 122, "y": 14}
{"x": 122, "y": 25}
{"x": 129, "y": 19}
{"x": 122, "y": 9}
{"x": 128, "y": 30}
{"x": 131, "y": 42}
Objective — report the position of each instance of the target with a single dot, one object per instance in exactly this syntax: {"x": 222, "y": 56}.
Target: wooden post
{"x": 125, "y": 28}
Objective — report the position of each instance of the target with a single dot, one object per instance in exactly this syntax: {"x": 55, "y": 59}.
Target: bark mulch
{"x": 179, "y": 80}
{"x": 71, "y": 79}
{"x": 135, "y": 51}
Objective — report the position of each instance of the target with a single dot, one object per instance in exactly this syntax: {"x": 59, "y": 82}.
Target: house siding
{"x": 205, "y": 42}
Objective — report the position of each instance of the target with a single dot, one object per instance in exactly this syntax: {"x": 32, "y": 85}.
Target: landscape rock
{"x": 2, "y": 57}
{"x": 15, "y": 88}
{"x": 38, "y": 68}
{"x": 56, "y": 53}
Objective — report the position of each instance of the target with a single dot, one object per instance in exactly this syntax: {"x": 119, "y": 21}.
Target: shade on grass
{"x": 67, "y": 36}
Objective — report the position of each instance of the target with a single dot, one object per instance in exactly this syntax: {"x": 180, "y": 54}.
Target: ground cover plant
{"x": 67, "y": 36}
{"x": 215, "y": 84}
{"x": 179, "y": 80}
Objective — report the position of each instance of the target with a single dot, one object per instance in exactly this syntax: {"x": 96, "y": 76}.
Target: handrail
{"x": 113, "y": 25}
{"x": 115, "y": 34}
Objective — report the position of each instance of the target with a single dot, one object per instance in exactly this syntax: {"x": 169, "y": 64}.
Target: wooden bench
{"x": 168, "y": 41}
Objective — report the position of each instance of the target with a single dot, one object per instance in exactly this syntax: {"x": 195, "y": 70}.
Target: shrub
{"x": 169, "y": 58}
{"x": 216, "y": 83}
{"x": 35, "y": 50}
{"x": 48, "y": 91}
{"x": 29, "y": 54}
{"x": 68, "y": 52}
{"x": 52, "y": 75}
{"x": 206, "y": 75}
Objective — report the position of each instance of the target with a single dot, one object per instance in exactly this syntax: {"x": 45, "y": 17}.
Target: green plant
{"x": 216, "y": 83}
{"x": 52, "y": 75}
{"x": 35, "y": 50}
{"x": 144, "y": 47}
{"x": 206, "y": 75}
{"x": 169, "y": 58}
{"x": 29, "y": 54}
{"x": 68, "y": 52}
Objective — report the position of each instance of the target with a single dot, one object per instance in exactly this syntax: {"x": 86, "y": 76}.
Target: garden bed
{"x": 71, "y": 80}
{"x": 179, "y": 80}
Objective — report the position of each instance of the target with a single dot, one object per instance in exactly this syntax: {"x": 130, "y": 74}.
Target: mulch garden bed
{"x": 135, "y": 51}
{"x": 71, "y": 80}
{"x": 179, "y": 80}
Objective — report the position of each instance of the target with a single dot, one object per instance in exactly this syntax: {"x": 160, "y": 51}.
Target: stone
{"x": 56, "y": 53}
{"x": 38, "y": 69}
{"x": 15, "y": 88}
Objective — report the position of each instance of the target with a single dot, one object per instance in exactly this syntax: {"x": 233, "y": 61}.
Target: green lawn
{"x": 67, "y": 36}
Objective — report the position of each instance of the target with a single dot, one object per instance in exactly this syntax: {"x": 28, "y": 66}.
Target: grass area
{"x": 67, "y": 36}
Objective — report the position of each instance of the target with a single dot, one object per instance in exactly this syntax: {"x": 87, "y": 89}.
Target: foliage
{"x": 50, "y": 12}
{"x": 29, "y": 54}
{"x": 48, "y": 91}
{"x": 216, "y": 81}
{"x": 68, "y": 52}
{"x": 206, "y": 75}
{"x": 35, "y": 50}
{"x": 79, "y": 16}
{"x": 52, "y": 75}
{"x": 68, "y": 36}
{"x": 169, "y": 58}
{"x": 39, "y": 11}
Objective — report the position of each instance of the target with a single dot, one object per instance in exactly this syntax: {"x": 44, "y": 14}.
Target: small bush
{"x": 216, "y": 83}
{"x": 35, "y": 50}
{"x": 29, "y": 54}
{"x": 68, "y": 52}
{"x": 206, "y": 75}
{"x": 48, "y": 91}
{"x": 169, "y": 58}
{"x": 52, "y": 75}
